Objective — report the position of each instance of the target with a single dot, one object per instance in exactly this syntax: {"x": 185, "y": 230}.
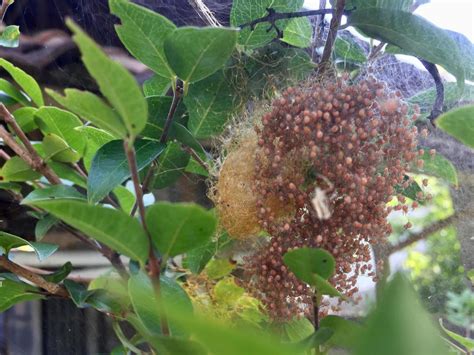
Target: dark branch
{"x": 439, "y": 100}
{"x": 178, "y": 93}
{"x": 333, "y": 28}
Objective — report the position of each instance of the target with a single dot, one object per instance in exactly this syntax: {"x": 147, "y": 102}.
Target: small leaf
{"x": 346, "y": 333}
{"x": 298, "y": 32}
{"x": 412, "y": 191}
{"x": 10, "y": 241}
{"x": 52, "y": 193}
{"x": 109, "y": 167}
{"x": 66, "y": 172}
{"x": 44, "y": 225}
{"x": 25, "y": 117}
{"x": 156, "y": 86}
{"x": 95, "y": 138}
{"x": 78, "y": 292}
{"x": 125, "y": 197}
{"x": 10, "y": 37}
{"x": 459, "y": 123}
{"x": 320, "y": 337}
{"x": 111, "y": 227}
{"x": 439, "y": 166}
{"x": 57, "y": 149}
{"x": 16, "y": 169}
{"x": 91, "y": 108}
{"x": 211, "y": 104}
{"x": 12, "y": 293}
{"x": 60, "y": 274}
{"x": 218, "y": 268}
{"x": 323, "y": 287}
{"x": 195, "y": 53}
{"x": 464, "y": 341}
{"x": 115, "y": 82}
{"x": 143, "y": 33}
{"x": 298, "y": 329}
{"x": 171, "y": 346}
{"x": 171, "y": 165}
{"x": 179, "y": 227}
{"x": 305, "y": 262}
{"x": 25, "y": 81}
{"x": 11, "y": 91}
{"x": 197, "y": 258}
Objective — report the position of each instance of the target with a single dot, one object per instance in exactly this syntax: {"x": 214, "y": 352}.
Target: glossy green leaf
{"x": 9, "y": 89}
{"x": 15, "y": 169}
{"x": 12, "y": 293}
{"x": 459, "y": 123}
{"x": 10, "y": 37}
{"x": 125, "y": 197}
{"x": 143, "y": 33}
{"x": 95, "y": 138}
{"x": 55, "y": 148}
{"x": 111, "y": 227}
{"x": 10, "y": 186}
{"x": 52, "y": 193}
{"x": 25, "y": 117}
{"x": 305, "y": 262}
{"x": 156, "y": 86}
{"x": 171, "y": 165}
{"x": 323, "y": 286}
{"x": 244, "y": 11}
{"x": 197, "y": 258}
{"x": 44, "y": 225}
{"x": 346, "y": 333}
{"x": 179, "y": 227}
{"x": 66, "y": 172}
{"x": 298, "y": 32}
{"x": 78, "y": 292}
{"x": 298, "y": 329}
{"x": 10, "y": 241}
{"x": 414, "y": 35}
{"x": 211, "y": 104}
{"x": 109, "y": 167}
{"x": 400, "y": 325}
{"x": 218, "y": 268}
{"x": 25, "y": 81}
{"x": 439, "y": 166}
{"x": 196, "y": 53}
{"x": 194, "y": 167}
{"x": 464, "y": 341}
{"x": 115, "y": 82}
{"x": 91, "y": 108}
{"x": 60, "y": 274}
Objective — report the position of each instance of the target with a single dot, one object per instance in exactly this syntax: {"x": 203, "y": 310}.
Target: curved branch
{"x": 439, "y": 100}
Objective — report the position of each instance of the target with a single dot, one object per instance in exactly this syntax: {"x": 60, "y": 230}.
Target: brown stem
{"x": 324, "y": 64}
{"x": 178, "y": 94}
{"x": 30, "y": 156}
{"x": 437, "y": 108}
{"x": 39, "y": 281}
{"x": 415, "y": 237}
{"x": 4, "y": 155}
{"x": 195, "y": 156}
{"x": 3, "y": 8}
{"x": 375, "y": 51}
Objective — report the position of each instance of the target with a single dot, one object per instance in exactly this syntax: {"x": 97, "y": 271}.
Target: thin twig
{"x": 4, "y": 155}
{"x": 39, "y": 281}
{"x": 30, "y": 156}
{"x": 426, "y": 232}
{"x": 178, "y": 94}
{"x": 324, "y": 64}
{"x": 375, "y": 51}
{"x": 195, "y": 156}
{"x": 4, "y": 8}
{"x": 439, "y": 100}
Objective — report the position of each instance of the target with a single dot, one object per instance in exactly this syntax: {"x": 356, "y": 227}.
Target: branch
{"x": 333, "y": 28}
{"x": 178, "y": 93}
{"x": 39, "y": 281}
{"x": 415, "y": 237}
{"x": 439, "y": 100}
{"x": 4, "y": 8}
{"x": 30, "y": 156}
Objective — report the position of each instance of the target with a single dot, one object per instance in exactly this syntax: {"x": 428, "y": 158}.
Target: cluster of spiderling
{"x": 332, "y": 155}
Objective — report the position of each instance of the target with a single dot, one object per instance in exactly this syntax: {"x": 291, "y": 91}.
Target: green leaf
{"x": 115, "y": 82}
{"x": 44, "y": 225}
{"x": 92, "y": 108}
{"x": 143, "y": 33}
{"x": 12, "y": 293}
{"x": 439, "y": 166}
{"x": 25, "y": 117}
{"x": 346, "y": 333}
{"x": 404, "y": 5}
{"x": 15, "y": 169}
{"x": 25, "y": 81}
{"x": 10, "y": 90}
{"x": 57, "y": 149}
{"x": 156, "y": 86}
{"x": 218, "y": 268}
{"x": 227, "y": 292}
{"x": 400, "y": 325}
{"x": 10, "y": 37}
{"x": 411, "y": 191}
{"x": 348, "y": 50}
{"x": 305, "y": 262}
{"x": 147, "y": 306}
{"x": 298, "y": 329}
{"x": 125, "y": 197}
{"x": 78, "y": 292}
{"x": 109, "y": 167}
{"x": 95, "y": 138}
{"x": 10, "y": 241}
{"x": 464, "y": 341}
{"x": 179, "y": 227}
{"x": 61, "y": 123}
{"x": 320, "y": 337}
{"x": 171, "y": 346}
{"x": 211, "y": 104}
{"x": 196, "y": 53}
{"x": 244, "y": 11}
{"x": 459, "y": 123}
{"x": 197, "y": 258}
{"x": 171, "y": 165}
{"x": 194, "y": 167}
{"x": 60, "y": 274}
{"x": 298, "y": 32}
{"x": 53, "y": 193}
{"x": 415, "y": 35}
{"x": 111, "y": 227}
{"x": 323, "y": 287}
{"x": 10, "y": 186}
{"x": 66, "y": 172}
